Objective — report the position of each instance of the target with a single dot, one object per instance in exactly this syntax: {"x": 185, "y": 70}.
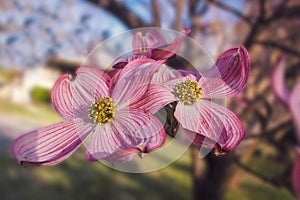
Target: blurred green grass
{"x": 39, "y": 113}
{"x": 76, "y": 178}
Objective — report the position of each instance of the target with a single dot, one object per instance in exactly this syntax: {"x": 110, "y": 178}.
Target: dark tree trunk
{"x": 210, "y": 175}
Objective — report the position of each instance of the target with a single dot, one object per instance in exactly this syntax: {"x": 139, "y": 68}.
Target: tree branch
{"x": 121, "y": 12}
{"x": 281, "y": 47}
{"x": 285, "y": 13}
{"x": 178, "y": 19}
{"x": 156, "y": 13}
{"x": 260, "y": 20}
{"x": 272, "y": 131}
{"x": 275, "y": 181}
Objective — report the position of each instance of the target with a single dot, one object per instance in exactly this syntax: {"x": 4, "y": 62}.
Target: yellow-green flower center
{"x": 188, "y": 92}
{"x": 142, "y": 51}
{"x": 102, "y": 111}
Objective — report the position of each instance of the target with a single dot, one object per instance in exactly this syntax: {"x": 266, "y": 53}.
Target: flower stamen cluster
{"x": 142, "y": 51}
{"x": 102, "y": 111}
{"x": 188, "y": 92}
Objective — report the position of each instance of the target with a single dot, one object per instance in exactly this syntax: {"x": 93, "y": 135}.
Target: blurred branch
{"x": 156, "y": 13}
{"x": 256, "y": 174}
{"x": 121, "y": 12}
{"x": 275, "y": 181}
{"x": 285, "y": 12}
{"x": 272, "y": 131}
{"x": 254, "y": 30}
{"x": 179, "y": 10}
{"x": 193, "y": 7}
{"x": 281, "y": 47}
{"x": 231, "y": 10}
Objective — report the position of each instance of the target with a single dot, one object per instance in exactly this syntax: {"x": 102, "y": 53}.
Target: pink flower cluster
{"x": 113, "y": 113}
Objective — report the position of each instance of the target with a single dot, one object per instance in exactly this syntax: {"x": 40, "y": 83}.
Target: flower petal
{"x": 133, "y": 81}
{"x": 122, "y": 156}
{"x": 68, "y": 96}
{"x": 139, "y": 42}
{"x": 213, "y": 121}
{"x": 294, "y": 103}
{"x": 120, "y": 63}
{"x": 278, "y": 81}
{"x": 160, "y": 94}
{"x": 228, "y": 76}
{"x": 169, "y": 50}
{"x": 131, "y": 129}
{"x": 165, "y": 73}
{"x": 156, "y": 97}
{"x": 52, "y": 144}
{"x": 154, "y": 39}
{"x": 296, "y": 174}
{"x": 200, "y": 140}
{"x": 62, "y": 97}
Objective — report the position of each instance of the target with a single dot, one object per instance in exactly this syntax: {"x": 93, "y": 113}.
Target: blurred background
{"x": 40, "y": 40}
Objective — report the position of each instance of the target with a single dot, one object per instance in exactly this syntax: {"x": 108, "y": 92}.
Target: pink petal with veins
{"x": 131, "y": 129}
{"x": 157, "y": 96}
{"x": 121, "y": 156}
{"x": 228, "y": 76}
{"x": 139, "y": 42}
{"x": 52, "y": 144}
{"x": 68, "y": 97}
{"x": 213, "y": 121}
{"x": 169, "y": 50}
{"x": 200, "y": 140}
{"x": 160, "y": 94}
{"x": 154, "y": 39}
{"x": 120, "y": 63}
{"x": 133, "y": 81}
{"x": 165, "y": 73}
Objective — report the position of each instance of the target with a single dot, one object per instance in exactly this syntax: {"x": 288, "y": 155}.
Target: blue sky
{"x": 34, "y": 30}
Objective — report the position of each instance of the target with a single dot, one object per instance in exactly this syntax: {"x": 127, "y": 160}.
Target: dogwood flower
{"x": 152, "y": 45}
{"x": 100, "y": 112}
{"x": 292, "y": 101}
{"x": 206, "y": 123}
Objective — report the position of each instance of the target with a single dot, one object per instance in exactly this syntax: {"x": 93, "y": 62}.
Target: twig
{"x": 256, "y": 174}
{"x": 156, "y": 13}
{"x": 284, "y": 12}
{"x": 120, "y": 11}
{"x": 275, "y": 181}
{"x": 272, "y": 131}
{"x": 276, "y": 45}
{"x": 178, "y": 19}
{"x": 254, "y": 30}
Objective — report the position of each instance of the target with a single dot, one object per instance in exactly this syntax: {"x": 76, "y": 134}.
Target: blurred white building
{"x": 19, "y": 89}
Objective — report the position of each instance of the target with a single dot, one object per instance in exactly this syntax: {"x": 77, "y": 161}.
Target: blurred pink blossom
{"x": 152, "y": 45}
{"x": 292, "y": 101}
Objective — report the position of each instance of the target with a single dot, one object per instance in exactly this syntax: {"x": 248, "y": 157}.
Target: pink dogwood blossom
{"x": 278, "y": 81}
{"x": 96, "y": 110}
{"x": 292, "y": 101}
{"x": 205, "y": 122}
{"x": 152, "y": 45}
